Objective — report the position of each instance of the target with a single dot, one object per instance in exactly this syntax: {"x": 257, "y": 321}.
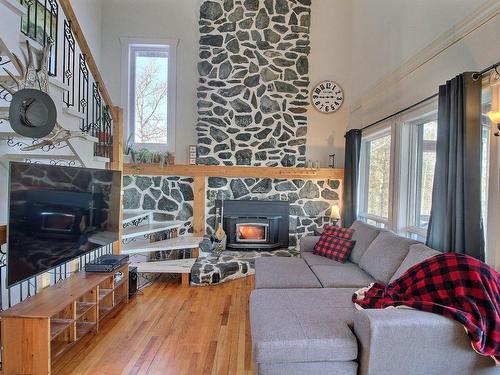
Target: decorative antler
{"x": 62, "y": 135}
{"x": 36, "y": 77}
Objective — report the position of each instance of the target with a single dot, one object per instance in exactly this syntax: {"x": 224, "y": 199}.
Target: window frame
{"x": 381, "y": 131}
{"x": 130, "y": 45}
{"x": 402, "y": 180}
{"x": 414, "y": 168}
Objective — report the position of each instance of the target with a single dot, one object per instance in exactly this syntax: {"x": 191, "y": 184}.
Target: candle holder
{"x": 331, "y": 160}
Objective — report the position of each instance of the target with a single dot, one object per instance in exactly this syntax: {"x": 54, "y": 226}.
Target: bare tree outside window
{"x": 378, "y": 176}
{"x": 150, "y": 97}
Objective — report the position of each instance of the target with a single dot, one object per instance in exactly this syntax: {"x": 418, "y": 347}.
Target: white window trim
{"x": 127, "y": 43}
{"x": 381, "y": 130}
{"x": 404, "y": 210}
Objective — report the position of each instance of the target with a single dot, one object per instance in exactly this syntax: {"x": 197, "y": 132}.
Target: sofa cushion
{"x": 307, "y": 243}
{"x": 333, "y": 247}
{"x": 363, "y": 235}
{"x": 384, "y": 255}
{"x": 301, "y": 325}
{"x": 316, "y": 368}
{"x": 342, "y": 277}
{"x": 317, "y": 260}
{"x": 417, "y": 253}
{"x": 281, "y": 272}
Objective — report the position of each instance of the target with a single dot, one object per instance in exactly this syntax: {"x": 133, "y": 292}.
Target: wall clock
{"x": 327, "y": 97}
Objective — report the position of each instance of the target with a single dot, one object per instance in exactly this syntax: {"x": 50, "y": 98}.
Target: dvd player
{"x": 106, "y": 263}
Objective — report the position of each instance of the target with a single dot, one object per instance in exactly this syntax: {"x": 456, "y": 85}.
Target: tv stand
{"x": 40, "y": 329}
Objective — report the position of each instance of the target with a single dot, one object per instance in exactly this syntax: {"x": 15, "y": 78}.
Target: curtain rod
{"x": 475, "y": 76}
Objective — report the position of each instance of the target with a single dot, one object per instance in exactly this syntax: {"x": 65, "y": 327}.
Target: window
{"x": 150, "y": 94}
{"x": 397, "y": 173}
{"x": 374, "y": 191}
{"x": 417, "y": 198}
{"x": 491, "y": 169}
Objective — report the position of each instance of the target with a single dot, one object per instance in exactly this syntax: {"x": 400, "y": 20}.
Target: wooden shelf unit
{"x": 40, "y": 329}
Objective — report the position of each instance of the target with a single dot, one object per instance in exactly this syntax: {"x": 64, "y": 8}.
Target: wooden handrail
{"x": 3, "y": 234}
{"x": 84, "y": 47}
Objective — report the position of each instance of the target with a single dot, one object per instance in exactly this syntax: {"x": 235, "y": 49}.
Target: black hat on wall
{"x": 32, "y": 113}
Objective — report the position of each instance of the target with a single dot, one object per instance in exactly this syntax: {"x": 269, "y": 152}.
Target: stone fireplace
{"x": 251, "y": 224}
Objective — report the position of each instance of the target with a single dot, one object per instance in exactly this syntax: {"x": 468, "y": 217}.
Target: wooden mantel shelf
{"x": 230, "y": 171}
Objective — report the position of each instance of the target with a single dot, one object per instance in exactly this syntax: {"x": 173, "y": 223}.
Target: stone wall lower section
{"x": 253, "y": 82}
{"x": 309, "y": 200}
{"x": 169, "y": 197}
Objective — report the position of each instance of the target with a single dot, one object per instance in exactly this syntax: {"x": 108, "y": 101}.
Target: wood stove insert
{"x": 256, "y": 224}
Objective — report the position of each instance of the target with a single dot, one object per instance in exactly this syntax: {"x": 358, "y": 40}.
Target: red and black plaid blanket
{"x": 456, "y": 286}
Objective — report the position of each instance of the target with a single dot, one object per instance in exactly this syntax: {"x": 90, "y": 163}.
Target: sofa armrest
{"x": 306, "y": 244}
{"x": 411, "y": 342}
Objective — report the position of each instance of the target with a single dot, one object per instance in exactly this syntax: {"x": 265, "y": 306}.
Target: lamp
{"x": 495, "y": 120}
{"x": 334, "y": 214}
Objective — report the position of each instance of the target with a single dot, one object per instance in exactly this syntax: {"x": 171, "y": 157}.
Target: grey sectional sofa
{"x": 303, "y": 321}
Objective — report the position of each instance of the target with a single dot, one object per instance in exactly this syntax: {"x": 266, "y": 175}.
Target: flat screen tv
{"x": 57, "y": 214}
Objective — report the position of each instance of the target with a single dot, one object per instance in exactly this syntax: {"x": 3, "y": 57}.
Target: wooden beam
{"x": 84, "y": 47}
{"x": 200, "y": 183}
{"x": 117, "y": 163}
{"x": 117, "y": 212}
{"x": 227, "y": 171}
{"x": 3, "y": 234}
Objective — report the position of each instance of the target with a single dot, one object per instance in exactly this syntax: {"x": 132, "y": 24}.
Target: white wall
{"x": 386, "y": 33}
{"x": 156, "y": 19}
{"x": 89, "y": 15}
{"x": 330, "y": 59}
{"x": 389, "y": 39}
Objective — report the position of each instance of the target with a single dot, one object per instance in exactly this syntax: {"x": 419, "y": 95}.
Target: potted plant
{"x": 146, "y": 156}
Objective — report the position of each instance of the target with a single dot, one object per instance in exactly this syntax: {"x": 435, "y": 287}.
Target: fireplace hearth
{"x": 256, "y": 224}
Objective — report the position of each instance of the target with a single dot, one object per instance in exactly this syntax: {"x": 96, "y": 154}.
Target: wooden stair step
{"x": 177, "y": 243}
{"x": 142, "y": 230}
{"x": 166, "y": 266}
{"x": 131, "y": 216}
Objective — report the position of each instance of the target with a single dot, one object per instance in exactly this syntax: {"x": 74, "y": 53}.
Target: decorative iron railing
{"x": 4, "y": 94}
{"x": 69, "y": 64}
{"x": 3, "y": 62}
{"x": 40, "y": 24}
{"x": 84, "y": 93}
{"x": 105, "y": 143}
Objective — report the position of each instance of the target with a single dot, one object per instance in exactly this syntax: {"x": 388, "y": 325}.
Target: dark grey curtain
{"x": 351, "y": 176}
{"x": 455, "y": 223}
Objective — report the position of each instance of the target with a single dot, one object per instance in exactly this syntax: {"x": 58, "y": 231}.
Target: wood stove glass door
{"x": 252, "y": 232}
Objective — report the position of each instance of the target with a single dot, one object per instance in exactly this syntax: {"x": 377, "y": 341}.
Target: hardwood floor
{"x": 171, "y": 329}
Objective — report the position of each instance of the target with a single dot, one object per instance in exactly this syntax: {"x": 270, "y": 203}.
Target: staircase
{"x": 155, "y": 247}
{"x": 80, "y": 105}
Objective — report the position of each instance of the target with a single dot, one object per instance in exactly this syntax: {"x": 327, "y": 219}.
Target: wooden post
{"x": 117, "y": 164}
{"x": 3, "y": 234}
{"x": 199, "y": 206}
{"x": 185, "y": 279}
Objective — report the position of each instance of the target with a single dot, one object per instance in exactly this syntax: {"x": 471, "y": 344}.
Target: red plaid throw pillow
{"x": 344, "y": 233}
{"x": 333, "y": 247}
